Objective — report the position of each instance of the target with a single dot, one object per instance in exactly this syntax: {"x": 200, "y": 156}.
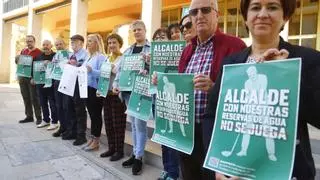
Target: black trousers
{"x": 192, "y": 165}
{"x": 80, "y": 122}
{"x": 65, "y": 109}
{"x": 46, "y": 95}
{"x": 94, "y": 105}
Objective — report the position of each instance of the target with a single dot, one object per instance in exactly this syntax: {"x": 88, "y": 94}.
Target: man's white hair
{"x": 47, "y": 41}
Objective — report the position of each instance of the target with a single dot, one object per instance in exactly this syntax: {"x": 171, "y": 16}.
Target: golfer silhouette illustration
{"x": 255, "y": 82}
{"x": 170, "y": 88}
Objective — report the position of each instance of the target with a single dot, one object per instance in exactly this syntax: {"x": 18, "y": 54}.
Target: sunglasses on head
{"x": 204, "y": 10}
{"x": 187, "y": 25}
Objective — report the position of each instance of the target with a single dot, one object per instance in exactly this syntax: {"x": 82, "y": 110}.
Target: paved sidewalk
{"x": 30, "y": 153}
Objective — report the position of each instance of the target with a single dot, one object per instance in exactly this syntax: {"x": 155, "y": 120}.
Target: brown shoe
{"x": 94, "y": 145}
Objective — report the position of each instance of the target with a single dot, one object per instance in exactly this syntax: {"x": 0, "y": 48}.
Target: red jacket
{"x": 35, "y": 53}
{"x": 223, "y": 46}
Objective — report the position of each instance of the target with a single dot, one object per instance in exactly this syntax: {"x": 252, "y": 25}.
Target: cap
{"x": 77, "y": 37}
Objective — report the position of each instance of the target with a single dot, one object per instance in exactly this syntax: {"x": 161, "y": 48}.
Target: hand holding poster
{"x": 140, "y": 101}
{"x": 256, "y": 120}
{"x": 39, "y": 72}
{"x": 48, "y": 81}
{"x": 175, "y": 112}
{"x": 104, "y": 79}
{"x": 24, "y": 66}
{"x": 165, "y": 56}
{"x": 61, "y": 59}
{"x": 130, "y": 67}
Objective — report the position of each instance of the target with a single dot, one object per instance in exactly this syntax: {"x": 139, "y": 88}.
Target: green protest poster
{"x": 24, "y": 66}
{"x": 104, "y": 79}
{"x": 165, "y": 56}
{"x": 48, "y": 81}
{"x": 140, "y": 101}
{"x": 39, "y": 72}
{"x": 254, "y": 135}
{"x": 61, "y": 58}
{"x": 130, "y": 67}
{"x": 174, "y": 126}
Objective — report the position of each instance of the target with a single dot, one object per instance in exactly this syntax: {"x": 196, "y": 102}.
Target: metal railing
{"x": 10, "y": 5}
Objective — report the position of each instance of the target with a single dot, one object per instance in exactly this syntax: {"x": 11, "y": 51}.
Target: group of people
{"x": 207, "y": 50}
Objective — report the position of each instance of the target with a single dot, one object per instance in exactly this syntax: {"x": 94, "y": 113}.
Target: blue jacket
{"x": 81, "y": 56}
{"x": 95, "y": 63}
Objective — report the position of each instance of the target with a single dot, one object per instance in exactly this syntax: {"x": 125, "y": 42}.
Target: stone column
{"x": 5, "y": 51}
{"x": 79, "y": 17}
{"x": 34, "y": 25}
{"x": 151, "y": 16}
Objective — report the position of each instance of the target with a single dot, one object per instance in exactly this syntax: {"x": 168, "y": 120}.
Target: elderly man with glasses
{"x": 203, "y": 57}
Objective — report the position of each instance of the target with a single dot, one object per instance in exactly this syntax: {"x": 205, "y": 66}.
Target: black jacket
{"x": 308, "y": 110}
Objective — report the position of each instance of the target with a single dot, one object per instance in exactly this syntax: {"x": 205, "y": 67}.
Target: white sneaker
{"x": 52, "y": 127}
{"x": 43, "y": 124}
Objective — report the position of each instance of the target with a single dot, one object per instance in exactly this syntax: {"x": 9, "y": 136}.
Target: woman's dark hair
{"x": 117, "y": 37}
{"x": 184, "y": 17}
{"x": 159, "y": 31}
{"x": 288, "y": 7}
{"x": 172, "y": 26}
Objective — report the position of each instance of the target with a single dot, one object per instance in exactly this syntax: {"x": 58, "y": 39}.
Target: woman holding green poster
{"x": 113, "y": 108}
{"x": 139, "y": 127}
{"x": 265, "y": 19}
{"x": 170, "y": 157}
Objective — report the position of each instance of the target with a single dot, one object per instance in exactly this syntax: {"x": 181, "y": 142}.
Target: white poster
{"x": 68, "y": 80}
{"x": 83, "y": 82}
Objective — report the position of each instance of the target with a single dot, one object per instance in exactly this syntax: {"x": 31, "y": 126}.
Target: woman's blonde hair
{"x": 98, "y": 39}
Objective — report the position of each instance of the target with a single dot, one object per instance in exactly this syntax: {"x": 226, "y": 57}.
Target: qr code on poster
{"x": 214, "y": 162}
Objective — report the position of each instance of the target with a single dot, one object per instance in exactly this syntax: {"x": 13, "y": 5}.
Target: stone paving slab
{"x": 33, "y": 152}
{"x": 27, "y": 171}
{"x": 74, "y": 167}
{"x": 5, "y": 164}
{"x": 14, "y": 140}
{"x": 2, "y": 149}
{"x": 115, "y": 168}
{"x": 10, "y": 131}
{"x": 53, "y": 176}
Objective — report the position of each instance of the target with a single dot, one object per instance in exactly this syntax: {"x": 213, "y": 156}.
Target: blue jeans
{"x": 170, "y": 157}
{"x": 46, "y": 95}
{"x": 139, "y": 130}
{"x": 170, "y": 160}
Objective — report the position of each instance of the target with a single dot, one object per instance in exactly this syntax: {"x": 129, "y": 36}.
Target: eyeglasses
{"x": 188, "y": 25}
{"x": 204, "y": 10}
{"x": 161, "y": 37}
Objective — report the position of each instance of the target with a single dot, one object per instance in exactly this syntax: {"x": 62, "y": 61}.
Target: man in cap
{"x": 77, "y": 58}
